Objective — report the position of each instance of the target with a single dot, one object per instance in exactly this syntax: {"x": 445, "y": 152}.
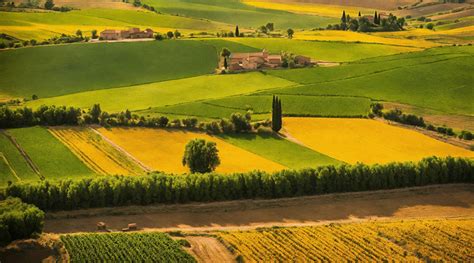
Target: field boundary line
{"x": 113, "y": 144}
{"x": 25, "y": 155}
{"x": 4, "y": 158}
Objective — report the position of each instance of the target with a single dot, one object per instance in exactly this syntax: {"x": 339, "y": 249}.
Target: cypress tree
{"x": 237, "y": 33}
{"x": 376, "y": 17}
{"x": 360, "y": 14}
{"x": 343, "y": 18}
{"x": 225, "y": 63}
{"x": 276, "y": 114}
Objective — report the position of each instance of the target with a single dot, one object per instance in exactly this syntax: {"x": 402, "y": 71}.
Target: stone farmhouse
{"x": 133, "y": 33}
{"x": 259, "y": 60}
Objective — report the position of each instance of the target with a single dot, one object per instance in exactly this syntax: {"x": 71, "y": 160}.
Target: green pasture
{"x": 236, "y": 13}
{"x": 169, "y": 92}
{"x": 324, "y": 50}
{"x": 431, "y": 79}
{"x": 282, "y": 151}
{"x": 261, "y": 106}
{"x": 53, "y": 158}
{"x": 15, "y": 162}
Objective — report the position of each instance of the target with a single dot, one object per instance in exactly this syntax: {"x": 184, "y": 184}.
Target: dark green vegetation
{"x": 52, "y": 158}
{"x": 201, "y": 156}
{"x": 280, "y": 150}
{"x": 364, "y": 24}
{"x": 261, "y": 105}
{"x": 124, "y": 247}
{"x": 235, "y": 12}
{"x": 277, "y": 120}
{"x": 438, "y": 78}
{"x": 18, "y": 220}
{"x": 162, "y": 188}
{"x": 58, "y": 70}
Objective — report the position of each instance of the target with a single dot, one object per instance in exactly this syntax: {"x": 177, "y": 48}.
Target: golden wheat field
{"x": 162, "y": 150}
{"x": 310, "y": 8}
{"x": 367, "y": 141}
{"x": 96, "y": 153}
{"x": 349, "y": 36}
{"x": 398, "y": 241}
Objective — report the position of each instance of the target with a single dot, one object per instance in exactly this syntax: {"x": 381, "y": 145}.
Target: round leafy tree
{"x": 201, "y": 156}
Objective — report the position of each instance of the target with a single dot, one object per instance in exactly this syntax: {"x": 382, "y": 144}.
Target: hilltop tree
{"x": 170, "y": 34}
{"x": 237, "y": 33}
{"x": 201, "y": 156}
{"x": 270, "y": 27}
{"x": 276, "y": 114}
{"x": 343, "y": 18}
{"x": 290, "y": 32}
{"x": 94, "y": 34}
{"x": 177, "y": 34}
{"x": 49, "y": 4}
{"x": 95, "y": 112}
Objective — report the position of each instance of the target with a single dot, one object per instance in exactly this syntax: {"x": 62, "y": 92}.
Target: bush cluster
{"x": 162, "y": 188}
{"x": 18, "y": 220}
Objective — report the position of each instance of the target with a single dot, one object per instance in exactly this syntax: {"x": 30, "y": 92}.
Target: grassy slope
{"x": 53, "y": 159}
{"x": 170, "y": 92}
{"x": 261, "y": 106}
{"x": 327, "y": 51}
{"x": 26, "y": 25}
{"x": 16, "y": 161}
{"x": 58, "y": 70}
{"x": 237, "y": 13}
{"x": 280, "y": 150}
{"x": 439, "y": 78}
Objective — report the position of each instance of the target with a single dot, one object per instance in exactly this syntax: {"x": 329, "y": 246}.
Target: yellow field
{"x": 310, "y": 8}
{"x": 367, "y": 141}
{"x": 163, "y": 150}
{"x": 405, "y": 241}
{"x": 349, "y": 36}
{"x": 96, "y": 153}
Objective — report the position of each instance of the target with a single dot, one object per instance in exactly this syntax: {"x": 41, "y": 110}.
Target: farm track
{"x": 13, "y": 172}
{"x": 439, "y": 201}
{"x": 25, "y": 155}
{"x": 208, "y": 249}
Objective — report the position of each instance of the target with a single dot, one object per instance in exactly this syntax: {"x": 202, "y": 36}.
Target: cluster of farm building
{"x": 261, "y": 60}
{"x": 133, "y": 33}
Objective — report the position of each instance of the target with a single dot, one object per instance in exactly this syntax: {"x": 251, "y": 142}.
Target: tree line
{"x": 107, "y": 191}
{"x": 19, "y": 220}
{"x": 365, "y": 24}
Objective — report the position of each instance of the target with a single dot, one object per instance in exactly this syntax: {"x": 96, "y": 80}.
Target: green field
{"x": 236, "y": 13}
{"x": 439, "y": 79}
{"x": 15, "y": 161}
{"x": 124, "y": 247}
{"x": 58, "y": 70}
{"x": 27, "y": 25}
{"x": 261, "y": 105}
{"x": 53, "y": 158}
{"x": 324, "y": 50}
{"x": 170, "y": 92}
{"x": 289, "y": 154}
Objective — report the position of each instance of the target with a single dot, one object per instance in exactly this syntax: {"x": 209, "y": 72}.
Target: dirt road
{"x": 422, "y": 202}
{"x": 208, "y": 249}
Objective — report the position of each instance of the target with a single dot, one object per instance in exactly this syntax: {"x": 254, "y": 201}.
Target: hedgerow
{"x": 162, "y": 188}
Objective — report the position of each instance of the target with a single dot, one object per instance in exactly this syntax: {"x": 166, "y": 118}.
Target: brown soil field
{"x": 439, "y": 201}
{"x": 430, "y": 9}
{"x": 208, "y": 249}
{"x": 455, "y": 15}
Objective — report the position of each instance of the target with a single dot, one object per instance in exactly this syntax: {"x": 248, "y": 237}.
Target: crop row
{"x": 450, "y": 240}
{"x": 124, "y": 247}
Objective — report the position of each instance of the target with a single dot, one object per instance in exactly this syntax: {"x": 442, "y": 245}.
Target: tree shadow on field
{"x": 432, "y": 201}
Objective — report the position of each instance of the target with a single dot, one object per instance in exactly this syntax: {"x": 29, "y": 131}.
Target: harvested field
{"x": 163, "y": 150}
{"x": 398, "y": 241}
{"x": 96, "y": 153}
{"x": 208, "y": 249}
{"x": 444, "y": 201}
{"x": 367, "y": 141}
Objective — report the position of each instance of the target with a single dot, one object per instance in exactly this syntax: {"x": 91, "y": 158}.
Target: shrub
{"x": 19, "y": 220}
{"x": 212, "y": 127}
{"x": 466, "y": 135}
{"x": 241, "y": 122}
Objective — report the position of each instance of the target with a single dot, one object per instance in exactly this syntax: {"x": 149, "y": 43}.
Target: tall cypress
{"x": 359, "y": 14}
{"x": 376, "y": 18}
{"x": 343, "y": 18}
{"x": 276, "y": 114}
{"x": 237, "y": 33}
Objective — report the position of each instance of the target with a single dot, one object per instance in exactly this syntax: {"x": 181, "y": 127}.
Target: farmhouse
{"x": 133, "y": 33}
{"x": 253, "y": 61}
